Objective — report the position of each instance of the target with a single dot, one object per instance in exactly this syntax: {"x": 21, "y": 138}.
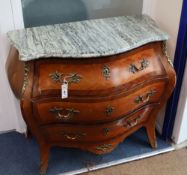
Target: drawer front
{"x": 92, "y": 133}
{"x": 55, "y": 111}
{"x": 89, "y": 77}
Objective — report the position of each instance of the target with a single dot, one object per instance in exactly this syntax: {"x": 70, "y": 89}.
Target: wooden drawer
{"x": 91, "y": 77}
{"x": 92, "y": 133}
{"x": 54, "y": 111}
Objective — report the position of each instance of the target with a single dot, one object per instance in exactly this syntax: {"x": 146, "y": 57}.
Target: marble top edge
{"x": 85, "y": 39}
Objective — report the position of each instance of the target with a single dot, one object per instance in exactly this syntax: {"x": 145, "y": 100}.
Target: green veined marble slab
{"x": 84, "y": 39}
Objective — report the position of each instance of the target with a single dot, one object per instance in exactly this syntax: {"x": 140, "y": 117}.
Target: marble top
{"x": 84, "y": 39}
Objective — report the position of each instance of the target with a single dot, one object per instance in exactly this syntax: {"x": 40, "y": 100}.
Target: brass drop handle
{"x": 104, "y": 147}
{"x": 57, "y": 111}
{"x": 73, "y": 136}
{"x": 59, "y": 77}
{"x": 61, "y": 116}
{"x": 132, "y": 123}
{"x": 143, "y": 65}
{"x": 144, "y": 98}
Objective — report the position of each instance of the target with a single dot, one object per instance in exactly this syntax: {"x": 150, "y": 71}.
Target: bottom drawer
{"x": 99, "y": 132}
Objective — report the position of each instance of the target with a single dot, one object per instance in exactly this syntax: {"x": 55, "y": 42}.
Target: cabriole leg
{"x": 151, "y": 135}
{"x": 44, "y": 158}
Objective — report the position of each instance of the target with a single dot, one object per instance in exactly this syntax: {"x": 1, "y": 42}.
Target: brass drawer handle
{"x": 59, "y": 77}
{"x": 57, "y": 111}
{"x": 73, "y": 136}
{"x": 145, "y": 98}
{"x": 132, "y": 123}
{"x": 143, "y": 65}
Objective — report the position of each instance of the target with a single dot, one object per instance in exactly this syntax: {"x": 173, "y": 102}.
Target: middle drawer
{"x": 56, "y": 111}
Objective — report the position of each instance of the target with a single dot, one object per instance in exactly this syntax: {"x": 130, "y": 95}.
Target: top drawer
{"x": 105, "y": 76}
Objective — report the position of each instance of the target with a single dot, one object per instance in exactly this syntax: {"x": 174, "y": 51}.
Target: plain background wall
{"x": 180, "y": 127}
{"x": 10, "y": 19}
{"x": 42, "y": 12}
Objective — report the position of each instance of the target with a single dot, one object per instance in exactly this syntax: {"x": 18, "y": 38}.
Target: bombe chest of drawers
{"x": 90, "y": 84}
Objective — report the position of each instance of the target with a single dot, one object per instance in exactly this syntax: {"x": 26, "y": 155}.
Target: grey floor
{"x": 172, "y": 163}
{"x": 22, "y": 155}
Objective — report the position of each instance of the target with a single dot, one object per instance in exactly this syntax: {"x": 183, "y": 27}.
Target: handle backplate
{"x": 106, "y": 72}
{"x": 109, "y": 110}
